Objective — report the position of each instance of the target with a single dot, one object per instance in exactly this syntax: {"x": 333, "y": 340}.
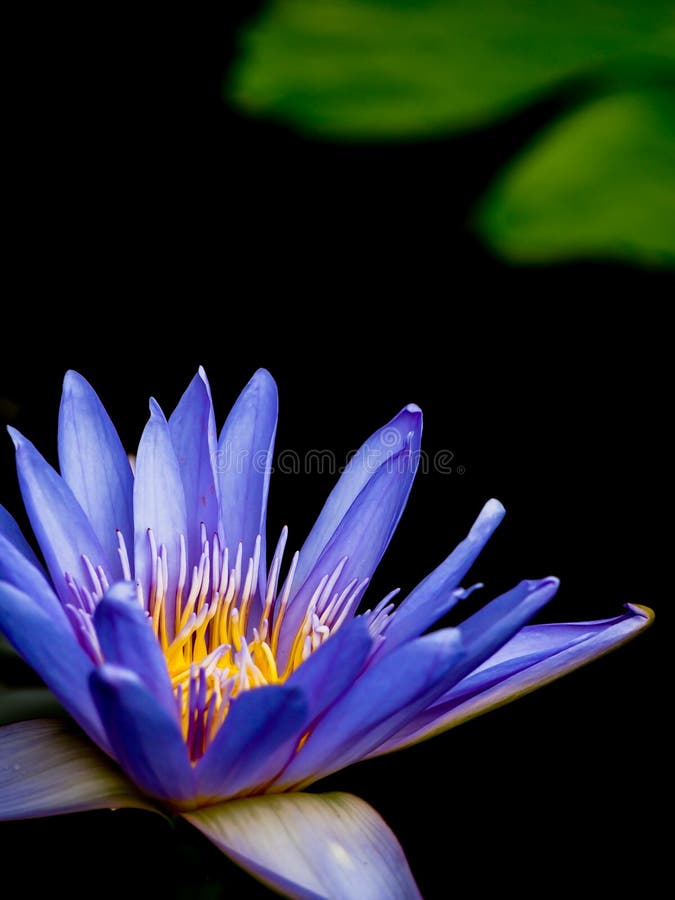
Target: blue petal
{"x": 49, "y": 646}
{"x": 16, "y": 570}
{"x": 361, "y": 537}
{"x": 434, "y": 597}
{"x": 537, "y": 655}
{"x": 244, "y": 465}
{"x": 491, "y": 627}
{"x": 11, "y": 531}
{"x": 95, "y": 466}
{"x": 311, "y": 846}
{"x": 146, "y": 740}
{"x": 126, "y": 638}
{"x": 192, "y": 426}
{"x": 389, "y": 693}
{"x": 379, "y": 447}
{"x": 159, "y": 505}
{"x": 333, "y": 668}
{"x": 254, "y": 743}
{"x": 61, "y": 527}
{"x": 47, "y": 768}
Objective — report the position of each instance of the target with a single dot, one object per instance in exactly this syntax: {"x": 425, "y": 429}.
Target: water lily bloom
{"x": 218, "y": 687}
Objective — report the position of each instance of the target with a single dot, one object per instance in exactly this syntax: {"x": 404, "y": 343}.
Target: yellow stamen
{"x": 212, "y": 652}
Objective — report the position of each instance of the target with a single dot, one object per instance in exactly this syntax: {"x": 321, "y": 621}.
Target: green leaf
{"x": 358, "y": 69}
{"x": 598, "y": 183}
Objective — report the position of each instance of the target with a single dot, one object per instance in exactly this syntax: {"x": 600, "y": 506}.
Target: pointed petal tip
{"x": 494, "y": 508}
{"x": 643, "y": 612}
{"x": 261, "y": 385}
{"x": 16, "y": 436}
{"x": 550, "y": 582}
{"x": 488, "y": 519}
{"x": 412, "y": 414}
{"x": 203, "y": 377}
{"x": 73, "y": 381}
{"x": 406, "y": 422}
{"x": 261, "y": 377}
{"x": 200, "y": 377}
{"x": 156, "y": 411}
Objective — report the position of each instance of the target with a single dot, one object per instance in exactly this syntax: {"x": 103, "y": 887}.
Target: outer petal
{"x": 434, "y": 597}
{"x": 311, "y": 846}
{"x": 126, "y": 638}
{"x": 159, "y": 505}
{"x": 146, "y": 740}
{"x": 50, "y": 647}
{"x": 11, "y": 532}
{"x": 361, "y": 537}
{"x": 17, "y": 570}
{"x": 47, "y": 768}
{"x": 95, "y": 466}
{"x": 534, "y": 657}
{"x": 379, "y": 447}
{"x": 245, "y": 459}
{"x": 254, "y": 743}
{"x": 381, "y": 701}
{"x": 61, "y": 527}
{"x": 192, "y": 426}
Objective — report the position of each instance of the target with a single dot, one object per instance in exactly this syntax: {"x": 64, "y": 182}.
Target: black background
{"x": 153, "y": 229}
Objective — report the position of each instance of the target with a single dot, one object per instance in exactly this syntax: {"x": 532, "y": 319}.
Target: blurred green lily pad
{"x": 600, "y": 182}
{"x": 359, "y": 69}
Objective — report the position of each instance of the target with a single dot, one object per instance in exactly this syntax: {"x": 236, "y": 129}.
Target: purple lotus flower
{"x": 222, "y": 687}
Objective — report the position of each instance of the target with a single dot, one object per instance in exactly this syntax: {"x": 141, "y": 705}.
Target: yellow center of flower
{"x": 219, "y": 637}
